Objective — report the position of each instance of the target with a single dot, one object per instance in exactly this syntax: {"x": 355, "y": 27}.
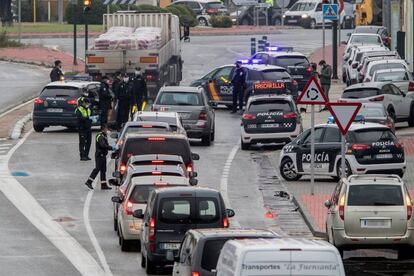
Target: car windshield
{"x": 392, "y": 76}
{"x": 268, "y": 75}
{"x": 366, "y": 39}
{"x": 375, "y": 195}
{"x": 180, "y": 98}
{"x": 215, "y": 5}
{"x": 366, "y": 30}
{"x": 141, "y": 193}
{"x": 136, "y": 129}
{"x": 387, "y": 65}
{"x": 360, "y": 93}
{"x": 270, "y": 105}
{"x": 59, "y": 91}
{"x": 145, "y": 146}
{"x": 285, "y": 61}
{"x": 303, "y": 6}
{"x": 368, "y": 136}
{"x": 372, "y": 112}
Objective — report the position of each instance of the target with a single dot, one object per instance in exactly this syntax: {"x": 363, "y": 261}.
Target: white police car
{"x": 371, "y": 148}
{"x": 270, "y": 119}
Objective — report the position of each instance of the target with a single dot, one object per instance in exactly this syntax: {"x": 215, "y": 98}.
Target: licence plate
{"x": 292, "y": 21}
{"x": 375, "y": 223}
{"x": 297, "y": 76}
{"x": 384, "y": 156}
{"x": 170, "y": 246}
{"x": 55, "y": 110}
{"x": 269, "y": 125}
{"x": 184, "y": 115}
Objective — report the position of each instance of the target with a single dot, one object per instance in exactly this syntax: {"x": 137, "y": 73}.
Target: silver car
{"x": 191, "y": 103}
{"x": 400, "y": 77}
{"x": 371, "y": 211}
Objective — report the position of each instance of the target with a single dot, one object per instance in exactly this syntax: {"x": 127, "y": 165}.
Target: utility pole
{"x": 86, "y": 7}
{"x": 335, "y": 46}
{"x": 74, "y": 19}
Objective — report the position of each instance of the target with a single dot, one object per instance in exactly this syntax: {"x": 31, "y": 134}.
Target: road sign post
{"x": 313, "y": 95}
{"x": 344, "y": 114}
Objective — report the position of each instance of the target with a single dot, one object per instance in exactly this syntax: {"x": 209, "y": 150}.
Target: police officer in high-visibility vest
{"x": 83, "y": 113}
{"x": 102, "y": 148}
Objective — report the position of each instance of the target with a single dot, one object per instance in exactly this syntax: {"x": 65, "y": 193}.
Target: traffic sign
{"x": 330, "y": 11}
{"x": 344, "y": 114}
{"x": 312, "y": 93}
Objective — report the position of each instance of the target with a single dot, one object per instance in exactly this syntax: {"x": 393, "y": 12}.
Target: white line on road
{"x": 37, "y": 215}
{"x": 225, "y": 180}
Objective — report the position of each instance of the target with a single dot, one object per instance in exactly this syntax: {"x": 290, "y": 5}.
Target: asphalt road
{"x": 19, "y": 83}
{"x": 79, "y": 234}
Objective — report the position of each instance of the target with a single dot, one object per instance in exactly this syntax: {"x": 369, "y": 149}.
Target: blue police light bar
{"x": 272, "y": 48}
{"x": 250, "y": 61}
{"x": 278, "y": 49}
{"x": 331, "y": 120}
{"x": 358, "y": 119}
{"x": 243, "y": 61}
{"x": 256, "y": 61}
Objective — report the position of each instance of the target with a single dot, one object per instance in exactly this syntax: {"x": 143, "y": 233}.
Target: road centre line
{"x": 225, "y": 179}
{"x": 81, "y": 259}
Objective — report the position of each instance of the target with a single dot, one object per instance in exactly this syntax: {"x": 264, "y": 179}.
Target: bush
{"x": 187, "y": 16}
{"x": 221, "y": 21}
{"x": 6, "y": 42}
{"x": 95, "y": 14}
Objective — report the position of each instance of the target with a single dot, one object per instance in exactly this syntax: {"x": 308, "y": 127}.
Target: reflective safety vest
{"x": 86, "y": 112}
{"x": 270, "y": 2}
{"x": 98, "y": 136}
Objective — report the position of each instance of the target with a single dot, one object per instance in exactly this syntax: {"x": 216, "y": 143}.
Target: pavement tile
{"x": 315, "y": 207}
{"x": 408, "y": 145}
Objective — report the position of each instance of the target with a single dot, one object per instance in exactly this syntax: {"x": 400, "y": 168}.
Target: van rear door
{"x": 316, "y": 263}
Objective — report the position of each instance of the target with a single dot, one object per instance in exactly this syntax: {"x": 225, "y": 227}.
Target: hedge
{"x": 221, "y": 22}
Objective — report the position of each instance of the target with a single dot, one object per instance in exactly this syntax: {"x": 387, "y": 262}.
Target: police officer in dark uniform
{"x": 56, "y": 74}
{"x": 105, "y": 101}
{"x": 83, "y": 113}
{"x": 139, "y": 91}
{"x": 239, "y": 84}
{"x": 123, "y": 97}
{"x": 102, "y": 148}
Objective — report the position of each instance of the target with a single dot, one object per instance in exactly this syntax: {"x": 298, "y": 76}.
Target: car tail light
{"x": 212, "y": 11}
{"x": 226, "y": 223}
{"x": 189, "y": 168}
{"x": 202, "y": 116}
{"x": 38, "y": 101}
{"x": 128, "y": 208}
{"x": 72, "y": 102}
{"x": 411, "y": 86}
{"x": 342, "y": 207}
{"x": 409, "y": 206}
{"x": 354, "y": 65}
{"x": 156, "y": 139}
{"x": 309, "y": 69}
{"x": 357, "y": 147}
{"x": 249, "y": 117}
{"x": 399, "y": 145}
{"x": 149, "y": 77}
{"x": 294, "y": 83}
{"x": 290, "y": 115}
{"x": 377, "y": 99}
{"x": 122, "y": 168}
{"x": 195, "y": 273}
{"x": 156, "y": 173}
{"x": 157, "y": 162}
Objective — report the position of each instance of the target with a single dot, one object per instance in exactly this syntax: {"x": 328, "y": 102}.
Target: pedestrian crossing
{"x": 5, "y": 146}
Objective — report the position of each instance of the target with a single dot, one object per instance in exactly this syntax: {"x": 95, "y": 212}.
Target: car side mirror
{"x": 116, "y": 199}
{"x": 193, "y": 182}
{"x": 116, "y": 174}
{"x": 114, "y": 135}
{"x": 192, "y": 174}
{"x": 139, "y": 214}
{"x": 195, "y": 156}
{"x": 114, "y": 182}
{"x": 230, "y": 213}
{"x": 328, "y": 204}
{"x": 403, "y": 93}
{"x": 115, "y": 155}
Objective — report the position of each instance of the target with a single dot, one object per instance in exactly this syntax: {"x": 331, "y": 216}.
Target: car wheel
{"x": 206, "y": 140}
{"x": 411, "y": 118}
{"x": 245, "y": 146}
{"x": 391, "y": 113}
{"x": 277, "y": 22}
{"x": 213, "y": 133}
{"x": 138, "y": 246}
{"x": 142, "y": 261}
{"x": 38, "y": 128}
{"x": 287, "y": 170}
{"x": 312, "y": 24}
{"x": 348, "y": 170}
{"x": 125, "y": 245}
{"x": 149, "y": 266}
{"x": 202, "y": 21}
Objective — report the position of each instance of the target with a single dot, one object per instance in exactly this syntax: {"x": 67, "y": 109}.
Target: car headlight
{"x": 284, "y": 16}
{"x": 305, "y": 16}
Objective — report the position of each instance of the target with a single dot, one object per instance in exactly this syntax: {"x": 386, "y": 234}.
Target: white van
{"x": 308, "y": 14}
{"x": 283, "y": 256}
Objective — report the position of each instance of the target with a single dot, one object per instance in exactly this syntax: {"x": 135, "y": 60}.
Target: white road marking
{"x": 81, "y": 259}
{"x": 225, "y": 180}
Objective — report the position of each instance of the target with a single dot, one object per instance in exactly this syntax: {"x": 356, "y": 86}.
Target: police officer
{"x": 325, "y": 79}
{"x": 105, "y": 100}
{"x": 56, "y": 74}
{"x": 123, "y": 97}
{"x": 102, "y": 147}
{"x": 139, "y": 91}
{"x": 83, "y": 113}
{"x": 239, "y": 84}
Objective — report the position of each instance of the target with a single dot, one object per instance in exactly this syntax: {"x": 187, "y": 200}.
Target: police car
{"x": 371, "y": 148}
{"x": 260, "y": 79}
{"x": 296, "y": 64}
{"x": 270, "y": 119}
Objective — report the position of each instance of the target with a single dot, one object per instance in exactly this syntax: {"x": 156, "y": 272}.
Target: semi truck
{"x": 368, "y": 12}
{"x": 161, "y": 65}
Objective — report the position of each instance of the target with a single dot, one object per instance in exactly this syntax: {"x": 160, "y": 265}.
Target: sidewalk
{"x": 42, "y": 56}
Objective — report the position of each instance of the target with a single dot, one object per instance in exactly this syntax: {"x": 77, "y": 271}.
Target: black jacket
{"x": 123, "y": 93}
{"x": 105, "y": 97}
{"x": 102, "y": 145}
{"x": 56, "y": 74}
{"x": 84, "y": 123}
{"x": 139, "y": 90}
{"x": 239, "y": 78}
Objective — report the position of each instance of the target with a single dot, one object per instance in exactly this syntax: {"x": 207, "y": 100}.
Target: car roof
{"x": 257, "y": 67}
{"x": 270, "y": 96}
{"x": 199, "y": 191}
{"x": 371, "y": 84}
{"x": 368, "y": 28}
{"x": 388, "y": 60}
{"x": 184, "y": 89}
{"x": 374, "y": 179}
{"x": 390, "y": 70}
{"x": 159, "y": 168}
{"x": 357, "y": 126}
{"x": 228, "y": 233}
{"x": 76, "y": 84}
{"x": 141, "y": 123}
{"x": 365, "y": 34}
{"x": 153, "y": 179}
{"x": 153, "y": 157}
{"x": 155, "y": 134}
{"x": 282, "y": 53}
{"x": 281, "y": 243}
{"x": 170, "y": 114}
